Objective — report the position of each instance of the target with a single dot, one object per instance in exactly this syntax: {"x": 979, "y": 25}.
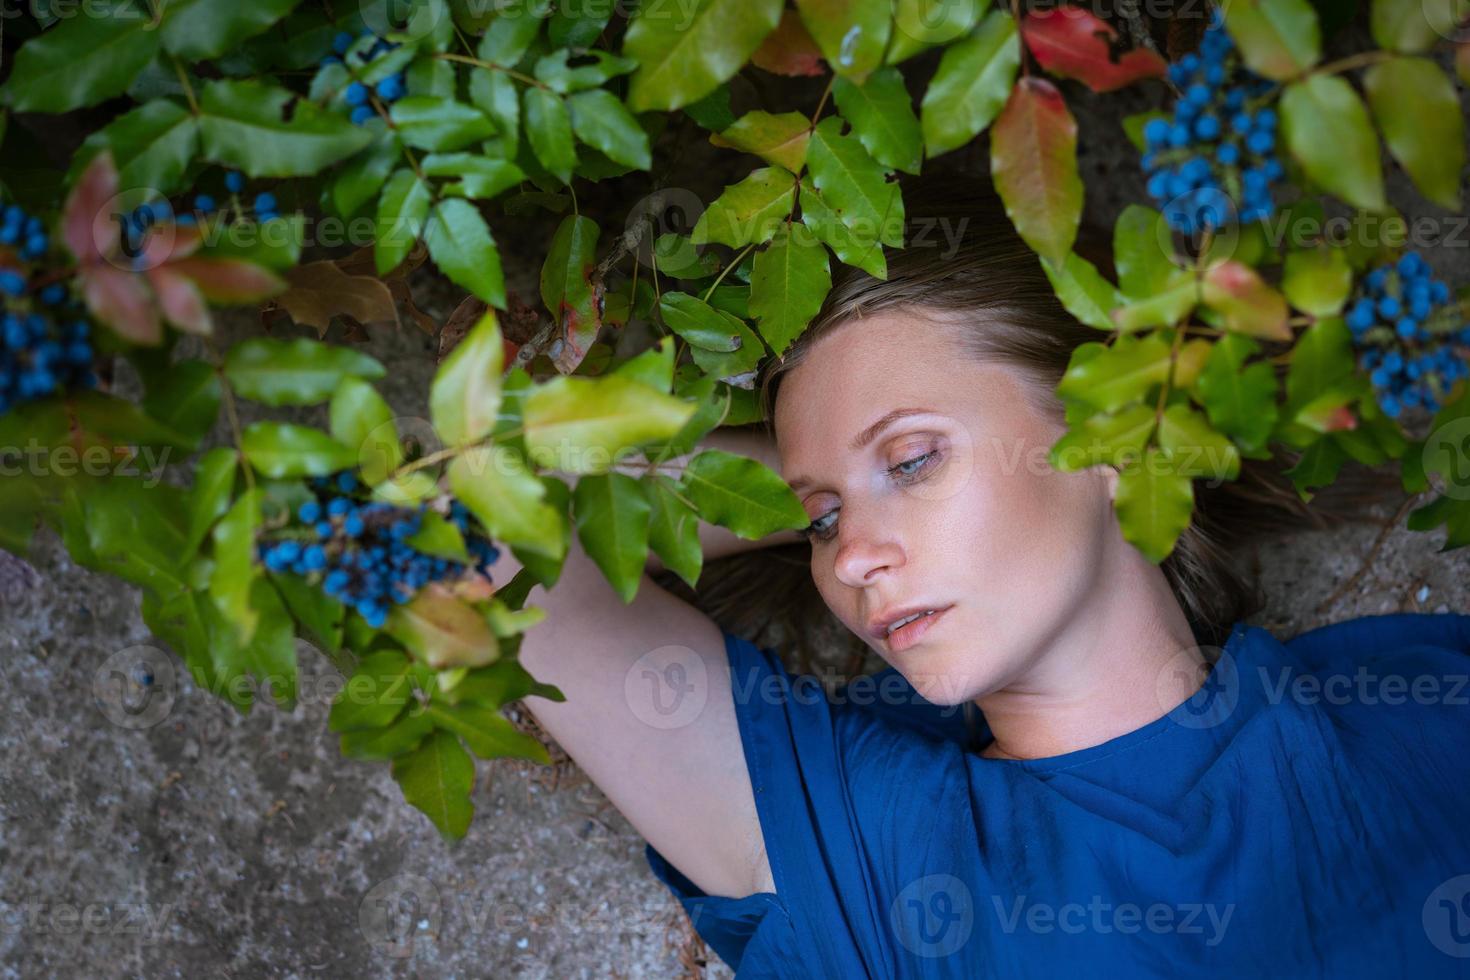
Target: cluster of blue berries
{"x": 359, "y": 95}
{"x": 361, "y": 549}
{"x": 1216, "y": 160}
{"x": 1407, "y": 329}
{"x": 17, "y": 228}
{"x": 145, "y": 216}
{"x": 39, "y": 357}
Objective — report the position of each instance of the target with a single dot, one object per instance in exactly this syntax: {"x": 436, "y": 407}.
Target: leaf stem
{"x": 188, "y": 88}
{"x": 481, "y": 63}
{"x": 726, "y": 270}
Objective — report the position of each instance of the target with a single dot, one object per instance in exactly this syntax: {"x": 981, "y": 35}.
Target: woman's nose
{"x": 865, "y": 548}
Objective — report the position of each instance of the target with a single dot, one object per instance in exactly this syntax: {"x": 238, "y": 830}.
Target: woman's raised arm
{"x": 649, "y": 714}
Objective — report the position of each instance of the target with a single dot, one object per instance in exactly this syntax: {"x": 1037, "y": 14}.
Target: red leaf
{"x": 1033, "y": 162}
{"x": 168, "y": 243}
{"x": 122, "y": 301}
{"x": 789, "y": 49}
{"x": 1247, "y": 303}
{"x": 87, "y": 207}
{"x": 181, "y": 301}
{"x": 1074, "y": 43}
{"x": 230, "y": 280}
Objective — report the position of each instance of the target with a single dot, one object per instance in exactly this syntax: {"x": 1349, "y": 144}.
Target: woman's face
{"x": 955, "y": 507}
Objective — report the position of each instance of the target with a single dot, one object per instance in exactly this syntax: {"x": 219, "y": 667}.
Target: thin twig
{"x": 1378, "y": 543}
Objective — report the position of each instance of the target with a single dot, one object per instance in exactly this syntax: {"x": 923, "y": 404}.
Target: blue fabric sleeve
{"x": 833, "y": 819}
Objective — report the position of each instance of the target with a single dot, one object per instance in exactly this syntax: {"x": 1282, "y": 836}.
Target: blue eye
{"x": 904, "y": 472}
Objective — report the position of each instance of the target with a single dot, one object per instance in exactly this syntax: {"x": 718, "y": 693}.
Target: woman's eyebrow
{"x": 867, "y": 436}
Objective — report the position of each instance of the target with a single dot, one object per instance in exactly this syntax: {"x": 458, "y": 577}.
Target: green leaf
{"x": 128, "y": 529}
{"x": 376, "y": 693}
{"x": 1195, "y": 449}
{"x": 673, "y": 530}
{"x": 360, "y": 417}
{"x": 574, "y": 27}
{"x": 437, "y": 778}
{"x": 516, "y": 24}
{"x": 1153, "y": 505}
{"x": 854, "y": 185}
{"x": 279, "y": 450}
{"x": 496, "y": 95}
{"x": 1321, "y": 360}
{"x": 83, "y": 59}
{"x": 243, "y": 126}
{"x": 788, "y": 283}
{"x": 294, "y": 372}
{"x": 440, "y": 125}
{"x": 442, "y": 630}
{"x": 152, "y": 146}
{"x": 1418, "y": 111}
{"x": 486, "y": 732}
{"x": 712, "y": 111}
{"x": 1277, "y": 38}
{"x": 500, "y": 683}
{"x": 684, "y": 50}
{"x": 480, "y": 177}
{"x": 1144, "y": 267}
{"x": 855, "y": 247}
{"x": 461, "y": 246}
{"x": 235, "y": 567}
{"x": 653, "y": 366}
{"x": 214, "y": 487}
{"x": 584, "y": 425}
{"x": 197, "y": 30}
{"x": 1083, "y": 291}
{"x": 1110, "y": 377}
{"x": 1245, "y": 303}
{"x": 186, "y": 400}
{"x": 972, "y": 84}
{"x": 403, "y": 210}
{"x": 1415, "y": 25}
{"x": 779, "y": 139}
{"x": 464, "y": 399}
{"x": 611, "y": 514}
{"x": 1033, "y": 161}
{"x": 741, "y": 494}
{"x": 439, "y": 537}
{"x": 1240, "y": 400}
{"x": 549, "y": 128}
{"x": 567, "y": 288}
{"x": 748, "y": 211}
{"x": 600, "y": 120}
{"x": 553, "y": 69}
{"x": 700, "y": 324}
{"x": 495, "y": 483}
{"x": 1115, "y": 439}
{"x": 1326, "y": 129}
{"x": 921, "y": 24}
{"x": 882, "y": 117}
{"x": 851, "y": 34}
{"x": 20, "y": 506}
{"x": 1317, "y": 280}
{"x": 1317, "y": 467}
{"x": 391, "y": 741}
{"x": 319, "y": 614}
{"x": 1175, "y": 300}
{"x": 120, "y": 422}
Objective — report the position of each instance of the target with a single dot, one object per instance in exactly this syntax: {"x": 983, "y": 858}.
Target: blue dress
{"x": 1304, "y": 815}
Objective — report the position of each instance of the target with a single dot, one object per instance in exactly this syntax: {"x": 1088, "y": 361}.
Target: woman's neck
{"x": 1127, "y": 658}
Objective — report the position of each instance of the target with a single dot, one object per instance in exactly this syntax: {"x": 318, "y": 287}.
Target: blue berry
{"x": 362, "y": 114}
{"x": 342, "y": 42}
{"x": 310, "y": 512}
{"x": 234, "y": 182}
{"x": 265, "y": 202}
{"x": 12, "y": 283}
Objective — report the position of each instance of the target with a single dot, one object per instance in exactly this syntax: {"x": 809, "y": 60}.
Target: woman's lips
{"x": 910, "y": 633}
